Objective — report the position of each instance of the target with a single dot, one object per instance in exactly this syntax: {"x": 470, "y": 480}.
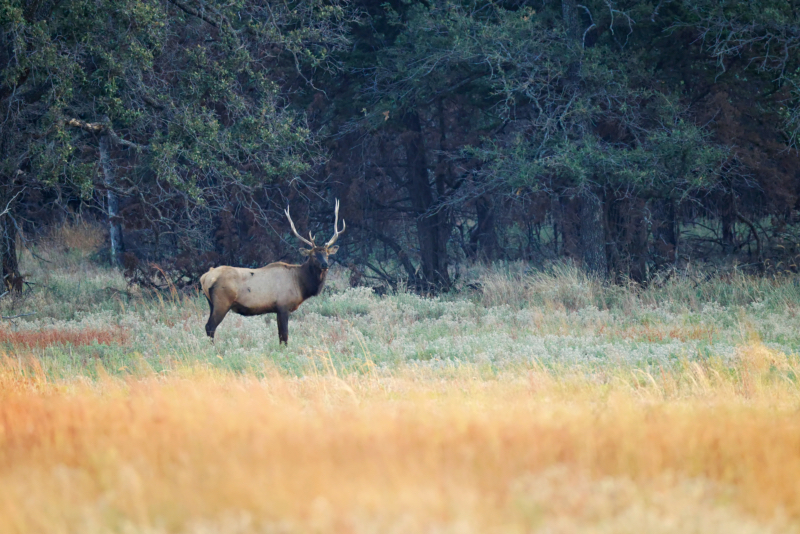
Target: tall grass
{"x": 696, "y": 450}
{"x": 514, "y": 321}
{"x": 564, "y": 286}
{"x": 528, "y": 401}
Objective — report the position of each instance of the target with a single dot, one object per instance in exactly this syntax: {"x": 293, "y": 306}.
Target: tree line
{"x": 632, "y": 138}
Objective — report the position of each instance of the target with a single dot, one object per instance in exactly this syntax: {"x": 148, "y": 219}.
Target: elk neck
{"x": 312, "y": 278}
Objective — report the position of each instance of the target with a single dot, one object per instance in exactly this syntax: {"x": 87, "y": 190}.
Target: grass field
{"x": 541, "y": 402}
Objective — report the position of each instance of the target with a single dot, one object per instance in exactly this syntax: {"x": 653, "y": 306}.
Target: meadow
{"x": 527, "y": 401}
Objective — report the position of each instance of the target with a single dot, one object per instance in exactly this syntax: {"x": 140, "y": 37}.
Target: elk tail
{"x": 207, "y": 282}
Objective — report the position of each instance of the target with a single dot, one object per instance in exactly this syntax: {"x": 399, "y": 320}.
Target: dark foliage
{"x": 630, "y": 137}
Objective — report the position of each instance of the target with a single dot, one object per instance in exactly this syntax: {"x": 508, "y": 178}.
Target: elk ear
{"x": 332, "y": 250}
{"x": 306, "y": 252}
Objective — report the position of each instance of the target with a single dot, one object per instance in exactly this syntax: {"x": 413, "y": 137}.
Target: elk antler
{"x": 336, "y": 232}
{"x": 294, "y": 230}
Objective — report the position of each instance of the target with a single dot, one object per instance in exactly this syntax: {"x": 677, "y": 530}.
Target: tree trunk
{"x": 572, "y": 19}
{"x": 569, "y": 222}
{"x": 590, "y": 211}
{"x": 433, "y": 248}
{"x": 638, "y": 239}
{"x": 593, "y": 235}
{"x": 728, "y": 220}
{"x": 483, "y": 239}
{"x": 627, "y": 238}
{"x": 665, "y": 233}
{"x": 114, "y": 221}
{"x": 12, "y": 279}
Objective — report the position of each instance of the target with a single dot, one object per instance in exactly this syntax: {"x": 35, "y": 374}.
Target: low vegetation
{"x": 525, "y": 401}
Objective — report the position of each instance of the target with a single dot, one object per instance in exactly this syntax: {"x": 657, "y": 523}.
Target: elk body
{"x": 277, "y": 288}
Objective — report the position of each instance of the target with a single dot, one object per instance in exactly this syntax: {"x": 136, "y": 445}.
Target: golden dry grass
{"x": 705, "y": 449}
{"x": 78, "y": 236}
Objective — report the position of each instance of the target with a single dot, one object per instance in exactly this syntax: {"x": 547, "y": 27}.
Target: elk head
{"x": 318, "y": 254}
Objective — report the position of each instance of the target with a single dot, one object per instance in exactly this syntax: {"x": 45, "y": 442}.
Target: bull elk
{"x": 277, "y": 288}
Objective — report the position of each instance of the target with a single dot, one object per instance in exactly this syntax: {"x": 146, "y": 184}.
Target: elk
{"x": 278, "y": 288}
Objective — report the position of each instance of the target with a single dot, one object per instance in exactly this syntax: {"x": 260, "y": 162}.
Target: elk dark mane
{"x": 312, "y": 280}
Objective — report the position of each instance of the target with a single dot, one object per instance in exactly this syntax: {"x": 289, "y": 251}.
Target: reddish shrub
{"x": 45, "y": 338}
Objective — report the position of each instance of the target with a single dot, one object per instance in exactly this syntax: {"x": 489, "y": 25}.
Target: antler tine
{"x": 294, "y": 230}
{"x": 336, "y": 230}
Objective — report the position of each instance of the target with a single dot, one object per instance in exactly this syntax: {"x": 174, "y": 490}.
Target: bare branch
{"x": 7, "y": 210}
{"x": 99, "y": 127}
{"x": 10, "y": 317}
{"x": 88, "y": 126}
{"x": 194, "y": 13}
{"x": 592, "y": 25}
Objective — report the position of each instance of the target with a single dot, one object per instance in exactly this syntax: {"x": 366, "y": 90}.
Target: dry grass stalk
{"x": 202, "y": 451}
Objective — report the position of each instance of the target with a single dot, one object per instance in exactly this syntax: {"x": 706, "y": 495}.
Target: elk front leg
{"x": 283, "y": 327}
{"x": 215, "y": 317}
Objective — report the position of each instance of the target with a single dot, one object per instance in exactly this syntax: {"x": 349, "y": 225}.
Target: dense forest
{"x": 631, "y": 138}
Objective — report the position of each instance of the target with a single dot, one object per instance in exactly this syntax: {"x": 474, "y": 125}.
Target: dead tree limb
{"x": 10, "y": 317}
{"x": 103, "y": 127}
{"x": 753, "y": 230}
